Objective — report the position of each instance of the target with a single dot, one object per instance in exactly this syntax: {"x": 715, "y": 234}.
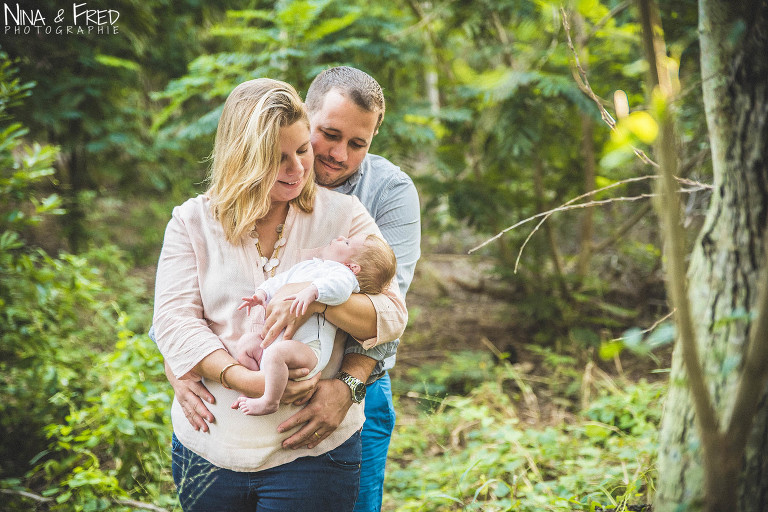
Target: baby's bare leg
{"x": 276, "y": 360}
{"x": 249, "y": 350}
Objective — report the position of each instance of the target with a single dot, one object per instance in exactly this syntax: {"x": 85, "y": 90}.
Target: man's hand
{"x": 324, "y": 413}
{"x": 299, "y": 392}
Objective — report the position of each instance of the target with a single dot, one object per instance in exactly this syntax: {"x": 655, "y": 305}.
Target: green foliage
{"x": 481, "y": 451}
{"x": 458, "y": 374}
{"x": 84, "y": 400}
{"x": 291, "y": 40}
{"x": 114, "y": 437}
{"x": 636, "y": 341}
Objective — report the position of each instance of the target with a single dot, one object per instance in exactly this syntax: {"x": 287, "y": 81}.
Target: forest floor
{"x": 451, "y": 311}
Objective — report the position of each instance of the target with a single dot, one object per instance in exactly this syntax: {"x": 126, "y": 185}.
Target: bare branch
{"x": 32, "y": 496}
{"x": 652, "y": 327}
{"x": 561, "y": 208}
{"x": 583, "y": 82}
{"x": 570, "y": 206}
{"x": 119, "y": 501}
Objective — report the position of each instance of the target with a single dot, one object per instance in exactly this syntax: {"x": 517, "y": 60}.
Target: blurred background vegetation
{"x": 504, "y": 400}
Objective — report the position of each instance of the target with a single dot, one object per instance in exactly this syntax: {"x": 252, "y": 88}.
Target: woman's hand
{"x": 190, "y": 395}
{"x": 279, "y": 314}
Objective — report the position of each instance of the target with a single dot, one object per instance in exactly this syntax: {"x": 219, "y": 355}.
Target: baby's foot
{"x": 257, "y": 406}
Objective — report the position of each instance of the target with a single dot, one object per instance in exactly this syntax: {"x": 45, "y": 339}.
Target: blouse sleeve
{"x": 273, "y": 284}
{"x": 336, "y": 284}
{"x": 182, "y": 333}
{"x": 391, "y": 312}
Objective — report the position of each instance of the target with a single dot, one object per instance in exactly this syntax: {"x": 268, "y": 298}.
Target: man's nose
{"x": 339, "y": 152}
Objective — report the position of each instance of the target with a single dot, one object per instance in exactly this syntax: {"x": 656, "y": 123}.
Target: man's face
{"x": 341, "y": 133}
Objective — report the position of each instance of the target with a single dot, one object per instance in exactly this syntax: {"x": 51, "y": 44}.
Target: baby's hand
{"x": 251, "y": 302}
{"x": 302, "y": 300}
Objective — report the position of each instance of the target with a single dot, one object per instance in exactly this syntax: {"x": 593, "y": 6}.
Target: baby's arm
{"x": 332, "y": 289}
{"x": 259, "y": 299}
{"x": 336, "y": 285}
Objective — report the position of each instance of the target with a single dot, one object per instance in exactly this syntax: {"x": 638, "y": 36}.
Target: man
{"x": 346, "y": 107}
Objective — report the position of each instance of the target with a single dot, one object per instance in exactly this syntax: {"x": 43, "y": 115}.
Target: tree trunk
{"x": 587, "y": 154}
{"x": 727, "y": 264}
{"x": 587, "y": 216}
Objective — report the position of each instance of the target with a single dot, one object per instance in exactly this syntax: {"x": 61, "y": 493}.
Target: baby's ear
{"x": 354, "y": 267}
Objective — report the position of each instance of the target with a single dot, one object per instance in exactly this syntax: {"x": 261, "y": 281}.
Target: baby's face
{"x": 343, "y": 249}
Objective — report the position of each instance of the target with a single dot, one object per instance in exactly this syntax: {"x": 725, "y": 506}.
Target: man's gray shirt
{"x": 391, "y": 198}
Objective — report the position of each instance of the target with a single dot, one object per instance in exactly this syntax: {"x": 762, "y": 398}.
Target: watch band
{"x": 356, "y": 386}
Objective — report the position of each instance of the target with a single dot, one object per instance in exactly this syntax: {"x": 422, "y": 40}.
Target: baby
{"x": 347, "y": 265}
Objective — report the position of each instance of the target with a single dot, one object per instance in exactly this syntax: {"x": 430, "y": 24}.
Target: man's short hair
{"x": 350, "y": 82}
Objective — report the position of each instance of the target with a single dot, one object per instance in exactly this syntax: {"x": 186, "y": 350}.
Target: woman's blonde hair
{"x": 378, "y": 265}
{"x": 246, "y": 154}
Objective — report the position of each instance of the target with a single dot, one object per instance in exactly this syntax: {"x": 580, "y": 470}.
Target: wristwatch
{"x": 356, "y": 386}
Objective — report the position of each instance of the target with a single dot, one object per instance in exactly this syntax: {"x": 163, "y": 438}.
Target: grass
{"x": 500, "y": 447}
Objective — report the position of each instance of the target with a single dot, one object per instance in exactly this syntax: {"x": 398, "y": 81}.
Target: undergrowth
{"x": 488, "y": 450}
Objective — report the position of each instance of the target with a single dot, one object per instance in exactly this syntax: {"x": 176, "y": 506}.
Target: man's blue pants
{"x": 377, "y": 432}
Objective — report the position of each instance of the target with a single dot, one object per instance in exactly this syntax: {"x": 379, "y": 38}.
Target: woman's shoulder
{"x": 326, "y": 198}
{"x": 193, "y": 208}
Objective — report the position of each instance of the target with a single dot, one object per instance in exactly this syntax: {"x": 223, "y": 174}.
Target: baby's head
{"x": 369, "y": 257}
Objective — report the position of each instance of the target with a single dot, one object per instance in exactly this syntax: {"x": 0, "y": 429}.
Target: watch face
{"x": 356, "y": 386}
{"x": 359, "y": 392}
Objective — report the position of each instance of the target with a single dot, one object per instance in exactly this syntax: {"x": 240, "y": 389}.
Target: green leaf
{"x": 610, "y": 349}
{"x": 332, "y": 26}
{"x": 117, "y": 62}
{"x": 642, "y": 125}
{"x": 597, "y": 431}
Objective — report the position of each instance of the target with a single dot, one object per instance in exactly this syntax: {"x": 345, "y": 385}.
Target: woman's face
{"x": 296, "y": 159}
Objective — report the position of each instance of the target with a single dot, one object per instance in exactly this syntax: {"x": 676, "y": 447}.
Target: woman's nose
{"x": 294, "y": 165}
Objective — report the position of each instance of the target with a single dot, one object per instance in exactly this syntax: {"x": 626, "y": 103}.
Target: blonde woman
{"x": 261, "y": 215}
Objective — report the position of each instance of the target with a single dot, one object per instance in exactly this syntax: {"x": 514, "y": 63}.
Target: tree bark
{"x": 727, "y": 265}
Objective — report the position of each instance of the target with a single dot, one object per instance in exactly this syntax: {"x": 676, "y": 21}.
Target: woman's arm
{"x": 235, "y": 375}
{"x": 182, "y": 333}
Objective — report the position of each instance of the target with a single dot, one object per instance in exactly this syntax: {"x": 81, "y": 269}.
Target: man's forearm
{"x": 357, "y": 316}
{"x": 358, "y": 365}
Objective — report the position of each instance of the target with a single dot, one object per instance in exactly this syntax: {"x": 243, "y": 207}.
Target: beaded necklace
{"x": 268, "y": 265}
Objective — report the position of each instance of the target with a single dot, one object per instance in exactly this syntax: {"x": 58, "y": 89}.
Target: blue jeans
{"x": 328, "y": 482}
{"x": 377, "y": 432}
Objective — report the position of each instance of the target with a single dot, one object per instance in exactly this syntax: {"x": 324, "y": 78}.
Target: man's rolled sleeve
{"x": 391, "y": 318}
